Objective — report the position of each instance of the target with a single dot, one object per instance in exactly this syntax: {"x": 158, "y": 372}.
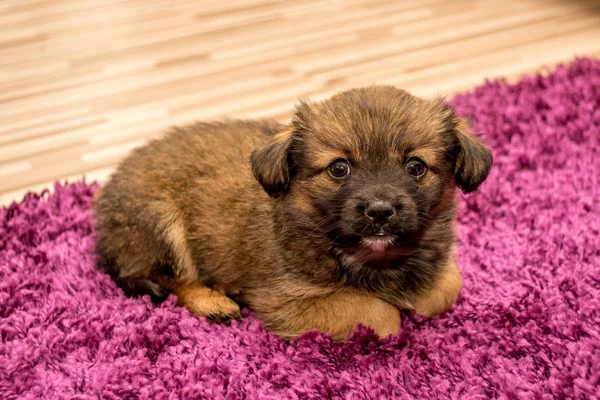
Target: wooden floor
{"x": 84, "y": 81}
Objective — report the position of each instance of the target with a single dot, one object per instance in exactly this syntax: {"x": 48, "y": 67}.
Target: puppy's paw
{"x": 385, "y": 319}
{"x": 218, "y": 308}
{"x": 226, "y": 310}
{"x": 443, "y": 295}
{"x": 208, "y": 303}
{"x": 338, "y": 314}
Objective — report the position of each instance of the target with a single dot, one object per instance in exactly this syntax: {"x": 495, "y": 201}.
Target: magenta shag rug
{"x": 526, "y": 325}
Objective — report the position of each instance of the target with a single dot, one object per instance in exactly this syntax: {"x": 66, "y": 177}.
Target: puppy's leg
{"x": 338, "y": 314}
{"x": 200, "y": 300}
{"x": 206, "y": 302}
{"x": 443, "y": 294}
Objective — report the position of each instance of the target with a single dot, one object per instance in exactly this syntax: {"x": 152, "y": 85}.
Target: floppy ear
{"x": 473, "y": 160}
{"x": 270, "y": 163}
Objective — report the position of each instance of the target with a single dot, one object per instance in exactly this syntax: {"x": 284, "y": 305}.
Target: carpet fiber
{"x": 526, "y": 325}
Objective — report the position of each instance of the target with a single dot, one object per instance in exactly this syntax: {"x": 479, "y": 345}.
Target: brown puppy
{"x": 341, "y": 218}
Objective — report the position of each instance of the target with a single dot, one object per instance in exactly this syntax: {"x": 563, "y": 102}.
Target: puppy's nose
{"x": 380, "y": 211}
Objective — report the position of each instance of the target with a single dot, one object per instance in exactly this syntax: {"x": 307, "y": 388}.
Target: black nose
{"x": 380, "y": 211}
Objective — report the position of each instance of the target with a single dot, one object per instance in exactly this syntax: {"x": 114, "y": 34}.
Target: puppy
{"x": 341, "y": 218}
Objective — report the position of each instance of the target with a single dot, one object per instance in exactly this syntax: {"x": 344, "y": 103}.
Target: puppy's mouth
{"x": 378, "y": 243}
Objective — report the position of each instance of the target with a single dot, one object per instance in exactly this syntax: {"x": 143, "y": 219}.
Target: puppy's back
{"x": 188, "y": 181}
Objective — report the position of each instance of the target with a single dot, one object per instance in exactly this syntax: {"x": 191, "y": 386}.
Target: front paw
{"x": 338, "y": 314}
{"x": 384, "y": 319}
{"x": 443, "y": 295}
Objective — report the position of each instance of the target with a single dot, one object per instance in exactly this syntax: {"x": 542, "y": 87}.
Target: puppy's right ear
{"x": 474, "y": 159}
{"x": 271, "y": 165}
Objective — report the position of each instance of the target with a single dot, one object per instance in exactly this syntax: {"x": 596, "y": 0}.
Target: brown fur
{"x": 247, "y": 209}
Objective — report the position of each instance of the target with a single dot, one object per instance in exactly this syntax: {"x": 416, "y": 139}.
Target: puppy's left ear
{"x": 473, "y": 160}
{"x": 271, "y": 164}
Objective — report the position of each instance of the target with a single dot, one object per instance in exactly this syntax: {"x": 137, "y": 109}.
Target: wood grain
{"x": 84, "y": 81}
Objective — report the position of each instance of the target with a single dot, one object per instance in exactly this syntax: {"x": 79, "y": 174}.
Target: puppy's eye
{"x": 416, "y": 167}
{"x": 338, "y": 169}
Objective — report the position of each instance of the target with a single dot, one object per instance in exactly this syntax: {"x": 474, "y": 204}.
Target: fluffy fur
{"x": 253, "y": 206}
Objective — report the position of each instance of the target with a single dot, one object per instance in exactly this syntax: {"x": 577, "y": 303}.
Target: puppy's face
{"x": 370, "y": 168}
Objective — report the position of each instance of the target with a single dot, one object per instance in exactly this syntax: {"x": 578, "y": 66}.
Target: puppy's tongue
{"x": 377, "y": 244}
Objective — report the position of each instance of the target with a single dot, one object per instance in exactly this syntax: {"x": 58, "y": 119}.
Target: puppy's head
{"x": 370, "y": 168}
